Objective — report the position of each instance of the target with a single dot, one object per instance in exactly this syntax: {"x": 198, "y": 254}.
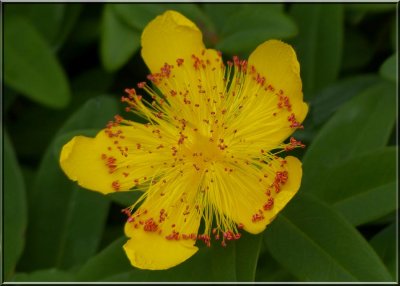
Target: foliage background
{"x": 65, "y": 68}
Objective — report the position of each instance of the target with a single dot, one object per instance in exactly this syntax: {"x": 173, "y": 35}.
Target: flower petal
{"x": 169, "y": 37}
{"x": 274, "y": 106}
{"x": 164, "y": 229}
{"x": 243, "y": 193}
{"x": 111, "y": 161}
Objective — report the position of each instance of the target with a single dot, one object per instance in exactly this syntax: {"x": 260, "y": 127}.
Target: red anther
{"x": 257, "y": 217}
{"x": 141, "y": 84}
{"x": 150, "y": 225}
{"x": 269, "y": 204}
{"x": 131, "y": 219}
{"x": 179, "y": 62}
{"x": 237, "y": 236}
{"x": 118, "y": 118}
{"x": 240, "y": 226}
{"x": 173, "y": 92}
{"x": 223, "y": 243}
{"x": 214, "y": 231}
{"x": 139, "y": 97}
{"x": 138, "y": 145}
{"x": 166, "y": 70}
{"x": 116, "y": 185}
{"x": 125, "y": 174}
{"x": 103, "y": 156}
{"x": 130, "y": 91}
{"x": 219, "y": 54}
{"x": 217, "y": 237}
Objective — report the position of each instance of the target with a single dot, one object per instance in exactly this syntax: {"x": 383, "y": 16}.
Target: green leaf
{"x": 384, "y": 244}
{"x": 357, "y": 51}
{"x": 125, "y": 199}
{"x": 76, "y": 216}
{"x": 371, "y": 7}
{"x": 360, "y": 126}
{"x": 250, "y": 26}
{"x": 110, "y": 261}
{"x": 247, "y": 252}
{"x": 70, "y": 18}
{"x": 363, "y": 189}
{"x": 317, "y": 244}
{"x": 388, "y": 69}
{"x": 46, "y": 275}
{"x": 318, "y": 44}
{"x": 47, "y": 18}
{"x": 118, "y": 41}
{"x": 335, "y": 95}
{"x": 35, "y": 72}
{"x": 269, "y": 270}
{"x": 15, "y": 210}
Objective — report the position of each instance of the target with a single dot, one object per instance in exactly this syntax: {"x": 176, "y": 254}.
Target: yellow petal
{"x": 107, "y": 164}
{"x": 170, "y": 209}
{"x": 154, "y": 252}
{"x": 278, "y": 63}
{"x": 169, "y": 37}
{"x": 242, "y": 195}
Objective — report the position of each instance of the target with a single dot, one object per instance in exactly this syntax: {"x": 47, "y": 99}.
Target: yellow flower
{"x": 209, "y": 149}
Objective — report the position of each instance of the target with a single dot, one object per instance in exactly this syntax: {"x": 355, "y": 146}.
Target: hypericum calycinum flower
{"x": 209, "y": 149}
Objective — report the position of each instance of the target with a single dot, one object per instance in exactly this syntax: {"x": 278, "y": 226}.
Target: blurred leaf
{"x": 35, "y": 72}
{"x": 384, "y": 244}
{"x": 125, "y": 198}
{"x": 318, "y": 44}
{"x": 247, "y": 252}
{"x": 46, "y": 275}
{"x": 15, "y": 210}
{"x": 46, "y": 18}
{"x": 76, "y": 216}
{"x": 371, "y": 7}
{"x": 93, "y": 81}
{"x": 110, "y": 261}
{"x": 363, "y": 189}
{"x": 118, "y": 41}
{"x": 269, "y": 270}
{"x": 71, "y": 15}
{"x": 329, "y": 99}
{"x": 357, "y": 50}
{"x": 316, "y": 244}
{"x": 250, "y": 26}
{"x": 361, "y": 125}
{"x": 393, "y": 34}
{"x": 388, "y": 69}
{"x": 9, "y": 97}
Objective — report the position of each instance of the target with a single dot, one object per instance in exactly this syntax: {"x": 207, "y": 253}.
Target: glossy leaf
{"x": 363, "y": 183}
{"x": 317, "y": 244}
{"x": 250, "y": 26}
{"x": 247, "y": 252}
{"x": 357, "y": 50}
{"x": 118, "y": 41}
{"x": 34, "y": 72}
{"x": 361, "y": 125}
{"x": 385, "y": 245}
{"x": 388, "y": 69}
{"x": 318, "y": 44}
{"x": 46, "y": 275}
{"x": 333, "y": 96}
{"x": 371, "y": 7}
{"x": 14, "y": 211}
{"x": 76, "y": 216}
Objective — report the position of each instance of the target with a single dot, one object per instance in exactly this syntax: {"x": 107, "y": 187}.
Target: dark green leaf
{"x": 47, "y": 18}
{"x": 333, "y": 96}
{"x": 76, "y": 217}
{"x": 363, "y": 189}
{"x": 47, "y": 275}
{"x": 317, "y": 244}
{"x": 110, "y": 261}
{"x": 318, "y": 44}
{"x": 250, "y": 26}
{"x": 388, "y": 69}
{"x": 384, "y": 244}
{"x": 360, "y": 126}
{"x": 357, "y": 50}
{"x": 33, "y": 71}
{"x": 92, "y": 81}
{"x": 118, "y": 41}
{"x": 269, "y": 270}
{"x": 247, "y": 252}
{"x": 125, "y": 198}
{"x": 371, "y": 7}
{"x": 15, "y": 210}
{"x": 70, "y": 18}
